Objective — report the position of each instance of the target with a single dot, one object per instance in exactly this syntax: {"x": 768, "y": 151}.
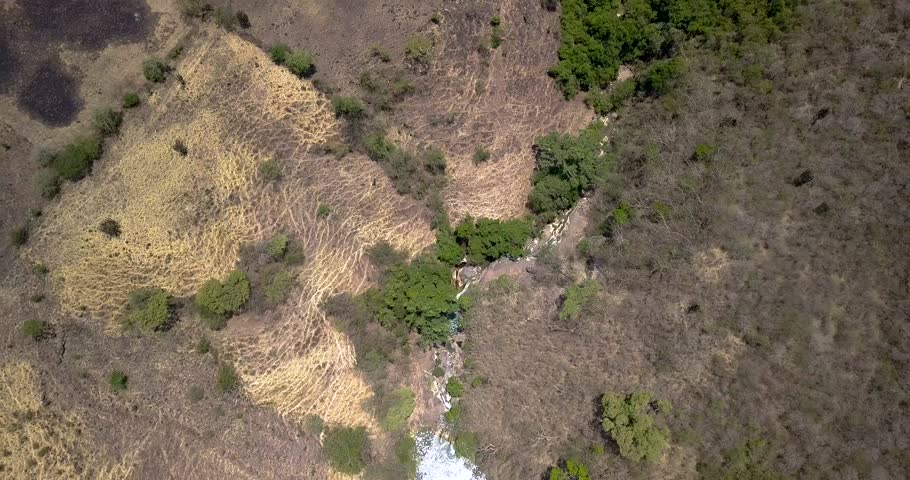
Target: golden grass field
{"x": 184, "y": 219}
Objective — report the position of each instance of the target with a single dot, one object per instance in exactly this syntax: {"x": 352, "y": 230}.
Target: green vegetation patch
{"x": 571, "y": 470}
{"x": 485, "y": 240}
{"x": 155, "y": 70}
{"x": 749, "y": 461}
{"x": 131, "y": 100}
{"x": 107, "y": 122}
{"x": 219, "y": 300}
{"x": 118, "y": 381}
{"x": 399, "y": 405}
{"x": 75, "y": 160}
{"x": 227, "y": 379}
{"x": 346, "y": 448}
{"x": 150, "y": 309}
{"x": 631, "y": 421}
{"x": 454, "y": 387}
{"x": 35, "y": 329}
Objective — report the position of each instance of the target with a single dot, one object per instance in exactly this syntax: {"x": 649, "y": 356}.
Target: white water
{"x": 436, "y": 460}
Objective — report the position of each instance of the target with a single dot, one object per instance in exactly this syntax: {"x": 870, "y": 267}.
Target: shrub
{"x": 496, "y": 36}
{"x": 48, "y": 183}
{"x": 35, "y": 329}
{"x": 175, "y": 52}
{"x": 18, "y": 236}
{"x": 454, "y": 387}
{"x": 179, "y": 146}
{"x": 110, "y": 227}
{"x": 218, "y": 300}
{"x": 278, "y": 246}
{"x": 279, "y": 53}
{"x": 481, "y": 155}
{"x": 346, "y": 448}
{"x": 76, "y": 159}
{"x": 270, "y": 170}
{"x": 454, "y": 415}
{"x": 659, "y": 78}
{"x": 243, "y": 20}
{"x": 485, "y": 240}
{"x": 749, "y": 461}
{"x": 420, "y": 297}
{"x": 566, "y": 167}
{"x": 131, "y": 100}
{"x": 572, "y": 470}
{"x": 398, "y": 409}
{"x": 448, "y": 250}
{"x": 300, "y": 63}
{"x": 348, "y": 107}
{"x": 465, "y": 445}
{"x": 434, "y": 161}
{"x": 155, "y": 70}
{"x": 323, "y": 211}
{"x": 419, "y": 49}
{"x": 37, "y": 298}
{"x": 278, "y": 286}
{"x": 225, "y": 18}
{"x": 576, "y": 297}
{"x": 227, "y": 378}
{"x": 203, "y": 346}
{"x": 704, "y": 152}
{"x": 630, "y": 421}
{"x": 118, "y": 381}
{"x": 381, "y": 53}
{"x": 193, "y": 8}
{"x": 150, "y": 309}
{"x": 108, "y": 121}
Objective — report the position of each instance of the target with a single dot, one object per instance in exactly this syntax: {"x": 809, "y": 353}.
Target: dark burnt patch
{"x": 89, "y": 24}
{"x": 51, "y": 96}
{"x": 8, "y": 64}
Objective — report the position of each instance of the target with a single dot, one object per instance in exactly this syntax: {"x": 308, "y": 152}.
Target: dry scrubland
{"x": 184, "y": 219}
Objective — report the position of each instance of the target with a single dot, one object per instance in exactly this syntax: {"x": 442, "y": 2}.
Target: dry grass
{"x": 185, "y": 218}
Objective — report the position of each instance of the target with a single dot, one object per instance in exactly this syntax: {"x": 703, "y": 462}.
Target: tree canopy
{"x": 630, "y": 420}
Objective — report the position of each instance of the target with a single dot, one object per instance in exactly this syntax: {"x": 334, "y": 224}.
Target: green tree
{"x": 150, "y": 309}
{"x": 454, "y": 387}
{"x": 572, "y": 470}
{"x": 346, "y": 448}
{"x": 218, "y": 300}
{"x": 155, "y": 70}
{"x": 485, "y": 240}
{"x": 76, "y": 159}
{"x": 348, "y": 107}
{"x": 300, "y": 63}
{"x": 630, "y": 421}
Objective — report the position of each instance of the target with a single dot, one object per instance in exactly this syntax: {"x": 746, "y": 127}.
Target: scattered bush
{"x": 278, "y": 246}
{"x": 571, "y": 470}
{"x": 75, "y": 160}
{"x": 348, "y": 107}
{"x": 155, "y": 70}
{"x": 226, "y": 18}
{"x": 278, "y": 285}
{"x": 203, "y": 346}
{"x": 576, "y": 297}
{"x": 454, "y": 387}
{"x": 48, "y": 184}
{"x": 279, "y": 53}
{"x": 398, "y": 408}
{"x": 630, "y": 421}
{"x": 18, "y": 236}
{"x": 466, "y": 444}
{"x": 219, "y": 300}
{"x": 270, "y": 170}
{"x": 150, "y": 309}
{"x": 704, "y": 152}
{"x": 381, "y": 53}
{"x": 323, "y": 211}
{"x": 175, "y": 52}
{"x": 408, "y": 174}
{"x": 110, "y": 227}
{"x": 131, "y": 100}
{"x": 35, "y": 329}
{"x": 108, "y": 121}
{"x": 419, "y": 296}
{"x": 117, "y": 381}
{"x": 300, "y": 63}
{"x": 227, "y": 378}
{"x": 750, "y": 461}
{"x": 481, "y": 155}
{"x": 419, "y": 49}
{"x": 346, "y": 448}
{"x": 180, "y": 147}
{"x": 454, "y": 415}
{"x": 485, "y": 240}
{"x": 385, "y": 87}
{"x": 243, "y": 20}
{"x": 567, "y": 167}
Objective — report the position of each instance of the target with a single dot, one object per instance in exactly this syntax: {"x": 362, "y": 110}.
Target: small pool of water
{"x": 436, "y": 460}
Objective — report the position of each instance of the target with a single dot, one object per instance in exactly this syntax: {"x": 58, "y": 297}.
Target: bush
{"x": 279, "y": 53}
{"x": 454, "y": 387}
{"x": 35, "y": 329}
{"x": 175, "y": 52}
{"x": 454, "y": 415}
{"x": 118, "y": 381}
{"x": 384, "y": 257}
{"x": 193, "y": 8}
{"x": 381, "y": 53}
{"x": 48, "y": 184}
{"x": 398, "y": 409}
{"x": 566, "y": 167}
{"x": 18, "y": 236}
{"x": 179, "y": 146}
{"x": 278, "y": 284}
{"x": 630, "y": 421}
{"x": 448, "y": 250}
{"x": 346, "y": 448}
{"x": 225, "y": 18}
{"x": 409, "y": 175}
{"x": 323, "y": 211}
{"x": 108, "y": 121}
{"x": 481, "y": 155}
{"x": 131, "y": 100}
{"x": 278, "y": 246}
{"x": 466, "y": 444}
{"x": 485, "y": 240}
{"x": 219, "y": 300}
{"x": 270, "y": 170}
{"x": 419, "y": 49}
{"x": 155, "y": 70}
{"x": 576, "y": 297}
{"x": 110, "y": 227}
{"x": 384, "y": 87}
{"x": 75, "y": 160}
{"x": 704, "y": 152}
{"x": 300, "y": 63}
{"x": 227, "y": 378}
{"x": 348, "y": 107}
{"x": 419, "y": 296}
{"x": 572, "y": 470}
{"x": 659, "y": 78}
{"x": 203, "y": 346}
{"x": 150, "y": 309}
